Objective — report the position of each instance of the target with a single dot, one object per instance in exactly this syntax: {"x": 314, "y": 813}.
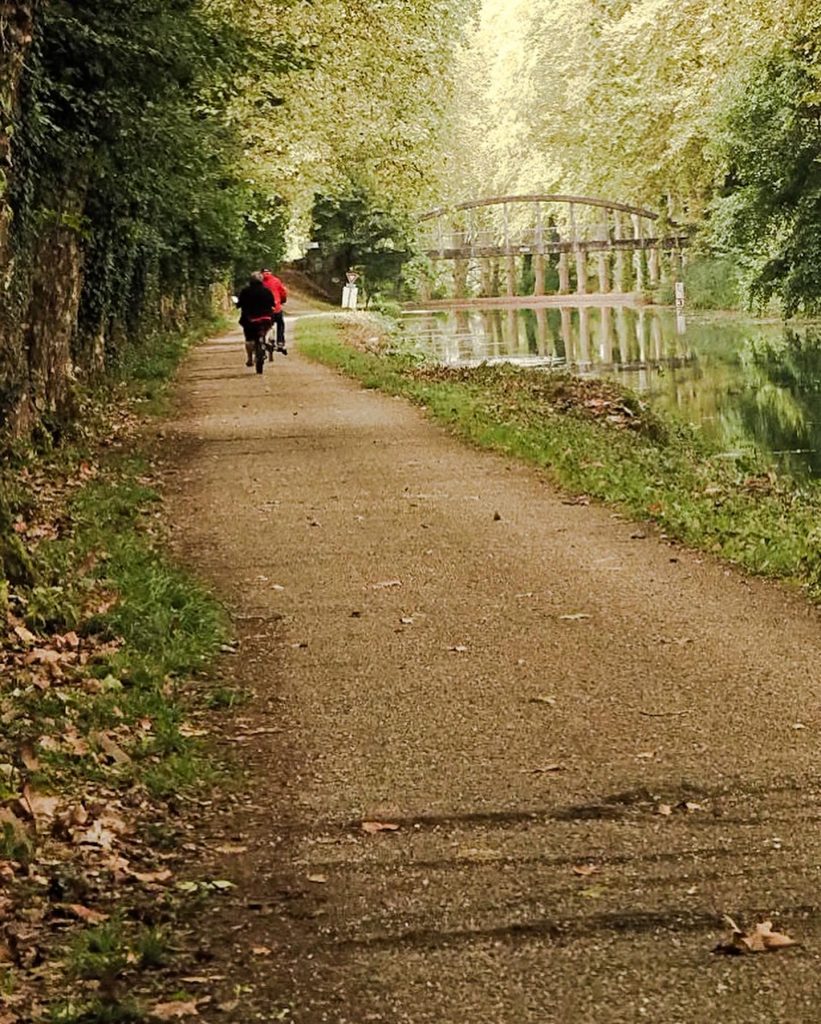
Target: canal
{"x": 745, "y": 383}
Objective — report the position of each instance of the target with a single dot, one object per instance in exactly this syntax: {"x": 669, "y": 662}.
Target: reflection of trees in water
{"x": 747, "y": 384}
{"x": 781, "y": 407}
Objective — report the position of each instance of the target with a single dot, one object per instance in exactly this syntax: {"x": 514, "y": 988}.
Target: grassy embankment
{"x": 594, "y": 438}
{"x": 100, "y": 638}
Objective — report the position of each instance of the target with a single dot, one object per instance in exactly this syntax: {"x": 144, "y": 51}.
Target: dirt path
{"x": 437, "y": 640}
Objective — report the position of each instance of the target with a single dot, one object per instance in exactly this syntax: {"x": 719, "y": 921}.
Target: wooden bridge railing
{"x": 542, "y": 226}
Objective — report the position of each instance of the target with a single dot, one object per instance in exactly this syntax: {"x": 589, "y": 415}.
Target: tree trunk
{"x": 16, "y": 28}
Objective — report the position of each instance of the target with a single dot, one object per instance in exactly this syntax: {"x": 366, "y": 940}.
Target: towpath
{"x": 594, "y": 744}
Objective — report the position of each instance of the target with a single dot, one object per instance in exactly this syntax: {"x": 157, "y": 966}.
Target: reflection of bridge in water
{"x": 584, "y": 337}
{"x": 537, "y": 244}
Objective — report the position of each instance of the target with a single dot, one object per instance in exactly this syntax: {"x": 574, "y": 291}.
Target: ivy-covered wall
{"x": 122, "y": 196}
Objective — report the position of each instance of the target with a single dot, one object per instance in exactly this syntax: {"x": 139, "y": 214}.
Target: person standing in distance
{"x": 280, "y": 294}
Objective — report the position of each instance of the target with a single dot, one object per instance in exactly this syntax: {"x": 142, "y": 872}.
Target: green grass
{"x": 166, "y": 625}
{"x": 96, "y": 1011}
{"x": 151, "y": 632}
{"x": 147, "y": 369}
{"x": 662, "y": 471}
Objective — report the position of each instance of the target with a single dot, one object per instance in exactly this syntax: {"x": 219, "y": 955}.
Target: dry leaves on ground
{"x": 544, "y": 769}
{"x": 374, "y": 827}
{"x": 759, "y": 939}
{"x": 175, "y": 1010}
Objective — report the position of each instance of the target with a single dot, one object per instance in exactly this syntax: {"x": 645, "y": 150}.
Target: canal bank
{"x": 748, "y": 385}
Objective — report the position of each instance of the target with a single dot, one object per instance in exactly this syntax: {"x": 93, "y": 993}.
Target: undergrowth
{"x": 597, "y": 439}
{"x": 106, "y": 649}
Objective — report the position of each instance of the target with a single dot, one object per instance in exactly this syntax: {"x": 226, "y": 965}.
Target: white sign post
{"x": 350, "y": 292}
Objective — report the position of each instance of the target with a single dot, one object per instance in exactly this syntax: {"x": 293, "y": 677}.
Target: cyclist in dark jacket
{"x": 257, "y": 305}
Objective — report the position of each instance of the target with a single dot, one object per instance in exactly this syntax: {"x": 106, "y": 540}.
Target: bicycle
{"x": 261, "y": 346}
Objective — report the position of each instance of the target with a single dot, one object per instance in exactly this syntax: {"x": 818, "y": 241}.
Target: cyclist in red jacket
{"x": 280, "y": 294}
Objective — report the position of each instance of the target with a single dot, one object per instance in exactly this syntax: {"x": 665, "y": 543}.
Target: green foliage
{"x": 166, "y": 628}
{"x": 100, "y": 952}
{"x": 354, "y": 233}
{"x": 710, "y": 282}
{"x": 124, "y": 140}
{"x": 770, "y": 209}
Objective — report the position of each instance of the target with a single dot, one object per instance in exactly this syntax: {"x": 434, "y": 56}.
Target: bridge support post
{"x": 581, "y": 272}
{"x": 567, "y": 335}
{"x": 564, "y": 274}
{"x": 604, "y": 275}
{"x": 654, "y": 266}
{"x": 510, "y": 276}
{"x": 606, "y": 336}
{"x": 486, "y": 279}
{"x": 460, "y": 279}
{"x": 539, "y": 273}
{"x": 620, "y": 282}
{"x": 541, "y": 331}
{"x": 638, "y": 255}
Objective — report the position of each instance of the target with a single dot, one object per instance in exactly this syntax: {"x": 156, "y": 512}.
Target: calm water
{"x": 746, "y": 384}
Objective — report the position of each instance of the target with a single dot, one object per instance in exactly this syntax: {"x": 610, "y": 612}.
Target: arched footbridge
{"x": 576, "y": 244}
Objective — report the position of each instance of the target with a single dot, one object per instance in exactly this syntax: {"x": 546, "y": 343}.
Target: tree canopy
{"x": 706, "y": 110}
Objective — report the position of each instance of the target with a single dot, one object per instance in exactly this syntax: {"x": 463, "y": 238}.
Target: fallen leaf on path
{"x": 761, "y": 939}
{"x": 372, "y": 827}
{"x": 682, "y": 807}
{"x": 83, "y": 913}
{"x": 458, "y": 648}
{"x": 261, "y": 951}
{"x": 191, "y": 731}
{"x": 42, "y": 808}
{"x": 110, "y": 747}
{"x": 585, "y": 870}
{"x": 318, "y": 879}
{"x": 25, "y": 635}
{"x": 29, "y": 757}
{"x": 149, "y": 877}
{"x": 174, "y": 1010}
{"x": 96, "y": 835}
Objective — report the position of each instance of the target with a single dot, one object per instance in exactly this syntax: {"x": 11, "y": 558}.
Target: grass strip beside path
{"x": 596, "y": 439}
{"x": 105, "y": 652}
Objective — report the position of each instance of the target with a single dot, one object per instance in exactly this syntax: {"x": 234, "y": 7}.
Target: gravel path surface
{"x": 529, "y": 688}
